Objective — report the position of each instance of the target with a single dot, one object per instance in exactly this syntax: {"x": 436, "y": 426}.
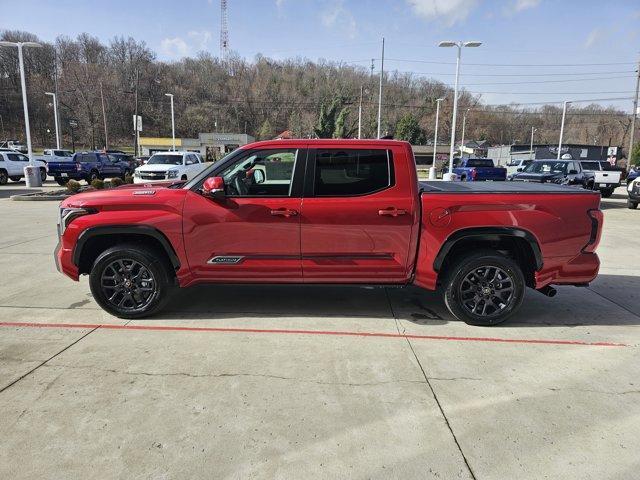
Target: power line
{"x": 573, "y": 74}
{"x": 515, "y": 64}
{"x": 550, "y": 81}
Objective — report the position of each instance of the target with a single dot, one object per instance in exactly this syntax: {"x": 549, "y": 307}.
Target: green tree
{"x": 634, "y": 158}
{"x": 408, "y": 129}
{"x": 340, "y": 129}
{"x": 266, "y": 131}
{"x": 326, "y": 125}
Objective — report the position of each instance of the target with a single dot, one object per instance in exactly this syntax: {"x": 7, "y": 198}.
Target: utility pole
{"x": 55, "y": 99}
{"x": 633, "y": 118}
{"x": 135, "y": 121}
{"x": 432, "y": 170}
{"x": 360, "y": 113}
{"x": 533, "y": 129}
{"x": 380, "y": 92}
{"x": 104, "y": 120}
{"x": 372, "y": 66}
{"x": 173, "y": 124}
{"x": 564, "y": 114}
{"x": 55, "y": 116}
{"x": 224, "y": 32}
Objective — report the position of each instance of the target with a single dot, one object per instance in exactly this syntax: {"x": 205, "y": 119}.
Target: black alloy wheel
{"x": 484, "y": 288}
{"x": 43, "y": 175}
{"x": 130, "y": 281}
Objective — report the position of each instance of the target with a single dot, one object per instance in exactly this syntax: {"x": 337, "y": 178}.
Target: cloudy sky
{"x": 534, "y": 51}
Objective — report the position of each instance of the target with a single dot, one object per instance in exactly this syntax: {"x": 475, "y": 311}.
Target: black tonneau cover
{"x": 500, "y": 187}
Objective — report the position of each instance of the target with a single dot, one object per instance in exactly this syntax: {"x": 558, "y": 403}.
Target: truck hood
{"x": 124, "y": 195}
{"x": 157, "y": 167}
{"x": 538, "y": 177}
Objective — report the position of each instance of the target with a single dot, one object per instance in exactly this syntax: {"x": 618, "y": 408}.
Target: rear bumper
{"x": 577, "y": 271}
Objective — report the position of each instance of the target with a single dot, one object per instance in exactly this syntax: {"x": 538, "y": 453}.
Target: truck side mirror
{"x": 520, "y": 169}
{"x": 213, "y": 187}
{"x": 573, "y": 172}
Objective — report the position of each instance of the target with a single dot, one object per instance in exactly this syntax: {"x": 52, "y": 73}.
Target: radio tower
{"x": 224, "y": 32}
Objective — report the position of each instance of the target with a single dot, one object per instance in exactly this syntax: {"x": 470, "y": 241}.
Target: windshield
{"x": 547, "y": 167}
{"x": 164, "y": 159}
{"x": 479, "y": 162}
{"x": 591, "y": 165}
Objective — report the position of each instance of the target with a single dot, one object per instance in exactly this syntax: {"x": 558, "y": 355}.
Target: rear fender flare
{"x": 488, "y": 233}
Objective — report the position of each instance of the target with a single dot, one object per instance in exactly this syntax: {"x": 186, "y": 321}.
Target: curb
{"x": 31, "y": 197}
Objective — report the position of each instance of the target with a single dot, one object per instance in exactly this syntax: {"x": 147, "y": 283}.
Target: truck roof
{"x": 319, "y": 142}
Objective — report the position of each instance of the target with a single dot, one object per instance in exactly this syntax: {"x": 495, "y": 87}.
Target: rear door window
{"x": 344, "y": 172}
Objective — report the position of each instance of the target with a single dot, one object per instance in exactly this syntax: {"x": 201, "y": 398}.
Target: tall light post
{"x": 31, "y": 180}
{"x": 362, "y": 92}
{"x": 564, "y": 114}
{"x": 464, "y": 124}
{"x": 460, "y": 45}
{"x": 173, "y": 125}
{"x": 533, "y": 130}
{"x": 432, "y": 170}
{"x": 104, "y": 120}
{"x": 380, "y": 92}
{"x": 55, "y": 117}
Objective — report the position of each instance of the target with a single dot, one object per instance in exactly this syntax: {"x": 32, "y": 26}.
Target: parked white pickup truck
{"x": 55, "y": 155}
{"x": 164, "y": 166}
{"x": 602, "y": 177}
{"x": 12, "y": 166}
{"x": 517, "y": 165}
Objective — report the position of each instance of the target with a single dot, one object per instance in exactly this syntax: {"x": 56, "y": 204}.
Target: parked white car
{"x": 12, "y": 166}
{"x": 164, "y": 166}
{"x": 55, "y": 155}
{"x": 517, "y": 165}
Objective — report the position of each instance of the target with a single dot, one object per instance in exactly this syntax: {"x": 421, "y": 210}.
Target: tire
{"x": 15, "y": 179}
{"x": 470, "y": 289}
{"x": 126, "y": 173}
{"x": 61, "y": 181}
{"x": 4, "y": 178}
{"x": 93, "y": 175}
{"x": 43, "y": 175}
{"x": 607, "y": 192}
{"x": 184, "y": 178}
{"x": 632, "y": 205}
{"x": 122, "y": 295}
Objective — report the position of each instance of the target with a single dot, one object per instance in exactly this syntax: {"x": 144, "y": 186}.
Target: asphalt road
{"x": 293, "y": 382}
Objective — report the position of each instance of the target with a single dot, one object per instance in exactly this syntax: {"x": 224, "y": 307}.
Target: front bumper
{"x": 63, "y": 257}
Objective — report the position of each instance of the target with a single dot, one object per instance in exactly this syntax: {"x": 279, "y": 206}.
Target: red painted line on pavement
{"x": 308, "y": 332}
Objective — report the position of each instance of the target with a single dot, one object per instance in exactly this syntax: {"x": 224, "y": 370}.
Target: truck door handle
{"x": 284, "y": 212}
{"x": 392, "y": 212}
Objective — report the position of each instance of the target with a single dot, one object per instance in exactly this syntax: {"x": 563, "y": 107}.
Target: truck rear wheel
{"x": 43, "y": 174}
{"x": 632, "y": 205}
{"x": 606, "y": 192}
{"x": 4, "y": 178}
{"x": 484, "y": 288}
{"x": 129, "y": 281}
{"x": 61, "y": 181}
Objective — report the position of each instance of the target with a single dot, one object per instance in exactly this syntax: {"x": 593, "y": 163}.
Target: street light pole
{"x": 533, "y": 129}
{"x": 633, "y": 119}
{"x": 432, "y": 170}
{"x": 459, "y": 45}
{"x": 32, "y": 181}
{"x": 104, "y": 120}
{"x": 564, "y": 114}
{"x": 55, "y": 117}
{"x": 464, "y": 124}
{"x": 380, "y": 92}
{"x": 173, "y": 125}
{"x": 360, "y": 113}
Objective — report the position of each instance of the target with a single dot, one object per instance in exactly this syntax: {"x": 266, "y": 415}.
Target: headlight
{"x": 136, "y": 173}
{"x": 172, "y": 173}
{"x": 67, "y": 214}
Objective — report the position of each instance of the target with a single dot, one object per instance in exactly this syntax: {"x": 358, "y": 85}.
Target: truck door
{"x": 16, "y": 163}
{"x": 357, "y": 216}
{"x": 253, "y": 234}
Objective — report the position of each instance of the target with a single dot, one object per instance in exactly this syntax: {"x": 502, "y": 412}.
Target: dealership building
{"x": 210, "y": 145}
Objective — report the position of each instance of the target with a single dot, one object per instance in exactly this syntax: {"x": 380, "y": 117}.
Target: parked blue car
{"x": 88, "y": 166}
{"x": 633, "y": 174}
{"x": 478, "y": 169}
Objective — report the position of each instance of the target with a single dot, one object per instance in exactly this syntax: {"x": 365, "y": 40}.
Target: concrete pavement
{"x": 314, "y": 382}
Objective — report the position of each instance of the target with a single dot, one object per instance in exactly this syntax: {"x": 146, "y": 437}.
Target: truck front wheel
{"x": 484, "y": 288}
{"x": 129, "y": 281}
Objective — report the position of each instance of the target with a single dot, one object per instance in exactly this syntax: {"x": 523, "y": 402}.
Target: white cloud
{"x": 594, "y": 37}
{"x": 336, "y": 15}
{"x": 279, "y": 4}
{"x": 200, "y": 38}
{"x": 174, "y": 48}
{"x": 520, "y": 5}
{"x": 449, "y": 11}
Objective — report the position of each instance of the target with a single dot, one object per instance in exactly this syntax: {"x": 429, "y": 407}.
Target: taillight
{"x": 597, "y": 220}
{"x": 474, "y": 173}
{"x": 78, "y": 167}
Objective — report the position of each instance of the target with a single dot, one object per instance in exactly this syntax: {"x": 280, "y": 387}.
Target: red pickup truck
{"x": 330, "y": 211}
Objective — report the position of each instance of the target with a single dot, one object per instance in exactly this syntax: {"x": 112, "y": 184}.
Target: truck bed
{"x": 499, "y": 187}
